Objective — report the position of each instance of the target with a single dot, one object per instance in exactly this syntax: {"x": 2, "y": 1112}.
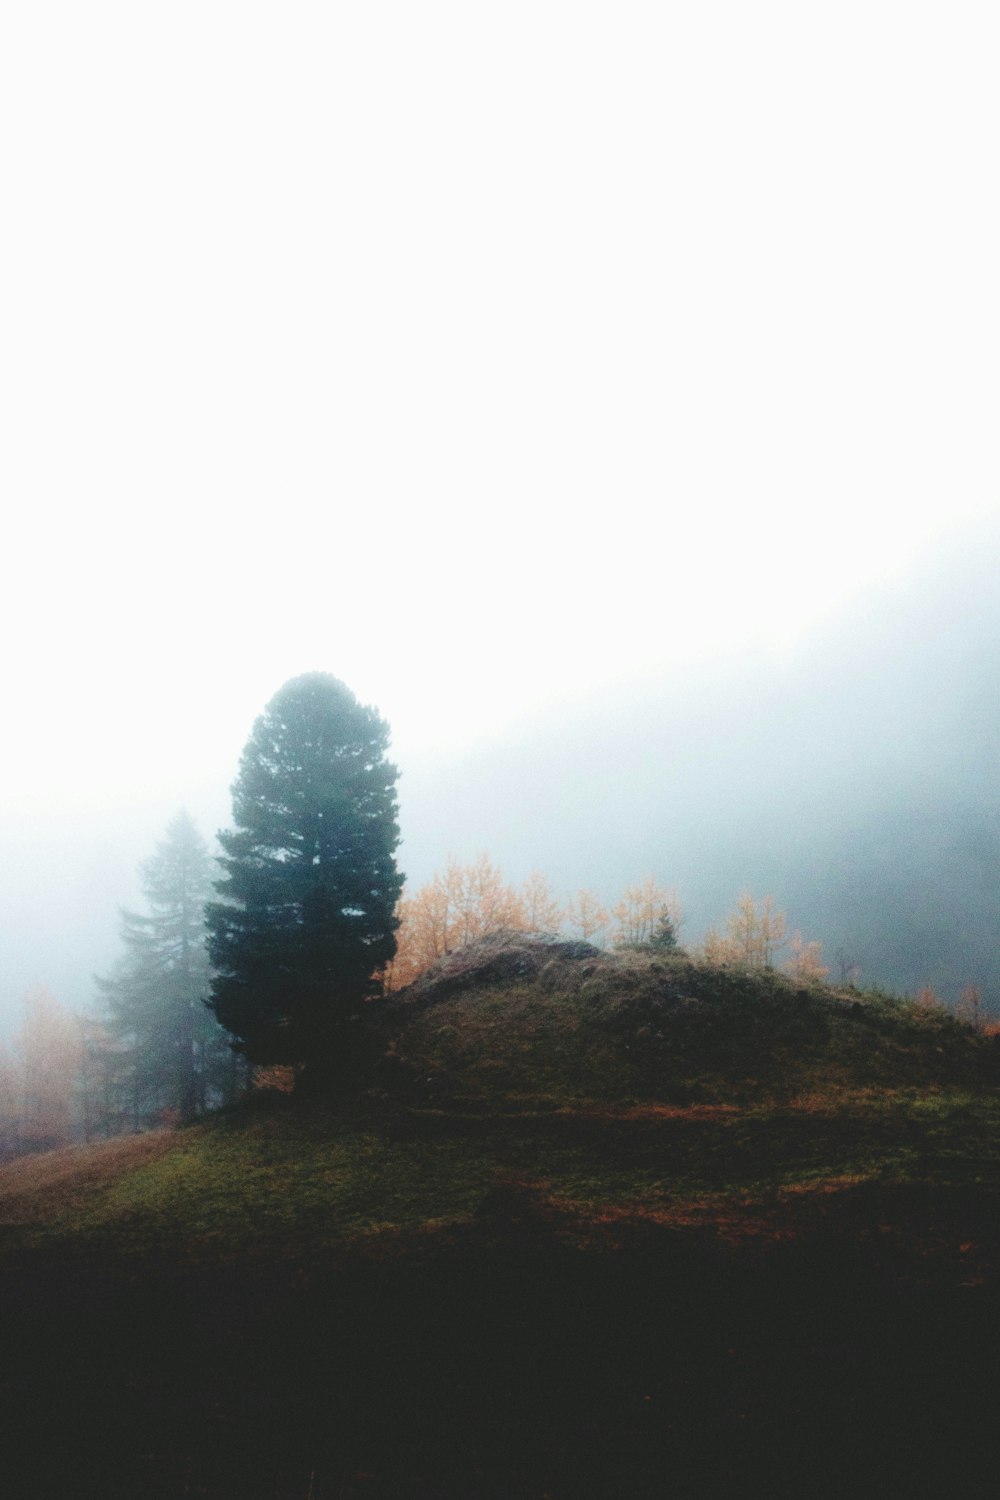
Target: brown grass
{"x": 35, "y": 1188}
{"x": 649, "y": 1111}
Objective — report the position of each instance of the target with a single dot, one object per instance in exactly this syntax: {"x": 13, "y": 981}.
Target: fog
{"x": 586, "y": 387}
{"x": 855, "y": 778}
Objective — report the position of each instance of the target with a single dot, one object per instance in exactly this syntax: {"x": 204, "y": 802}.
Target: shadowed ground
{"x": 624, "y": 1232}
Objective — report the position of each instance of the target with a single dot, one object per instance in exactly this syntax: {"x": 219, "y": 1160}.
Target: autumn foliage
{"x": 39, "y": 1078}
{"x": 469, "y": 901}
{"x": 586, "y": 916}
{"x": 61, "y": 1078}
{"x": 464, "y": 904}
{"x": 805, "y": 959}
{"x": 644, "y": 913}
{"x": 754, "y": 934}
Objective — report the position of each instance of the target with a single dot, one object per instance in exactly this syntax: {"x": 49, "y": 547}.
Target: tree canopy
{"x": 306, "y": 922}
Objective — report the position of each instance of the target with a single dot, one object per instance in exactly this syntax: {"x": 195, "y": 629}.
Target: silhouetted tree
{"x": 306, "y": 923}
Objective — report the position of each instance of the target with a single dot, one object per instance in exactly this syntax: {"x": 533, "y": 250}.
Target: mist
{"x": 856, "y": 779}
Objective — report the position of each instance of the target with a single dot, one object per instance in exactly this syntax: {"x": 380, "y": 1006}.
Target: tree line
{"x": 467, "y": 901}
{"x": 151, "y": 1050}
{"x": 268, "y": 954}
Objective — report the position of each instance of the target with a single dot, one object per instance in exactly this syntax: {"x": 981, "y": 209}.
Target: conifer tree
{"x": 306, "y": 924}
{"x": 175, "y": 1055}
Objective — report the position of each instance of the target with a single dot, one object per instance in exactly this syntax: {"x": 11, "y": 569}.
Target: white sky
{"x": 474, "y": 353}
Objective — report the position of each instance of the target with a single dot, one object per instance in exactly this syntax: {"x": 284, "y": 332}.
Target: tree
{"x": 422, "y": 933}
{"x": 47, "y": 1047}
{"x": 10, "y": 1107}
{"x": 173, "y": 1054}
{"x": 586, "y": 912}
{"x": 970, "y": 1007}
{"x": 106, "y": 1098}
{"x": 805, "y": 961}
{"x": 646, "y": 912}
{"x": 459, "y": 907}
{"x": 542, "y": 912}
{"x": 664, "y": 937}
{"x": 486, "y": 903}
{"x": 306, "y": 923}
{"x": 848, "y": 969}
{"x": 754, "y": 933}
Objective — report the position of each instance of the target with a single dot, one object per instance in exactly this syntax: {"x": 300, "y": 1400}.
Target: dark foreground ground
{"x": 500, "y": 1363}
{"x": 598, "y": 1226}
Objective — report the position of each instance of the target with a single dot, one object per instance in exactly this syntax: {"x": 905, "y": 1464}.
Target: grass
{"x": 673, "y": 1030}
{"x": 267, "y": 1187}
{"x": 287, "y": 1182}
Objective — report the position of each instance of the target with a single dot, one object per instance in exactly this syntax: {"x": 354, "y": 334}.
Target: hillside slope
{"x": 518, "y": 1019}
{"x": 589, "y": 1221}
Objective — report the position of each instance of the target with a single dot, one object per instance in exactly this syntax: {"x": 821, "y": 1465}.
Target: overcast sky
{"x": 477, "y": 354}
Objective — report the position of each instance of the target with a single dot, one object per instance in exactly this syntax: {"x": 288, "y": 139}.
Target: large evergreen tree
{"x": 307, "y": 919}
{"x": 174, "y": 1054}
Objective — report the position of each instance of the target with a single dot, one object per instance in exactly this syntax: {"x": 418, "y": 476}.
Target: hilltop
{"x": 585, "y": 1219}
{"x": 526, "y": 1017}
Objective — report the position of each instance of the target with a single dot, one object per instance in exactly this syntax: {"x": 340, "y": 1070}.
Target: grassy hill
{"x": 587, "y": 1225}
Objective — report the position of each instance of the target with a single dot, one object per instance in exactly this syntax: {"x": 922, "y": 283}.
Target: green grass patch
{"x": 294, "y": 1183}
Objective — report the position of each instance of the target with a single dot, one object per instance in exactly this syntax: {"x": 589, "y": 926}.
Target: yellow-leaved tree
{"x": 587, "y": 915}
{"x": 457, "y": 908}
{"x": 647, "y": 914}
{"x": 422, "y": 935}
{"x": 48, "y": 1048}
{"x": 805, "y": 960}
{"x": 485, "y": 902}
{"x": 542, "y": 912}
{"x": 755, "y": 932}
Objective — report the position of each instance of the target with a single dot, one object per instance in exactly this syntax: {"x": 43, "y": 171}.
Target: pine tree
{"x": 307, "y": 921}
{"x": 664, "y": 938}
{"x": 175, "y": 1056}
